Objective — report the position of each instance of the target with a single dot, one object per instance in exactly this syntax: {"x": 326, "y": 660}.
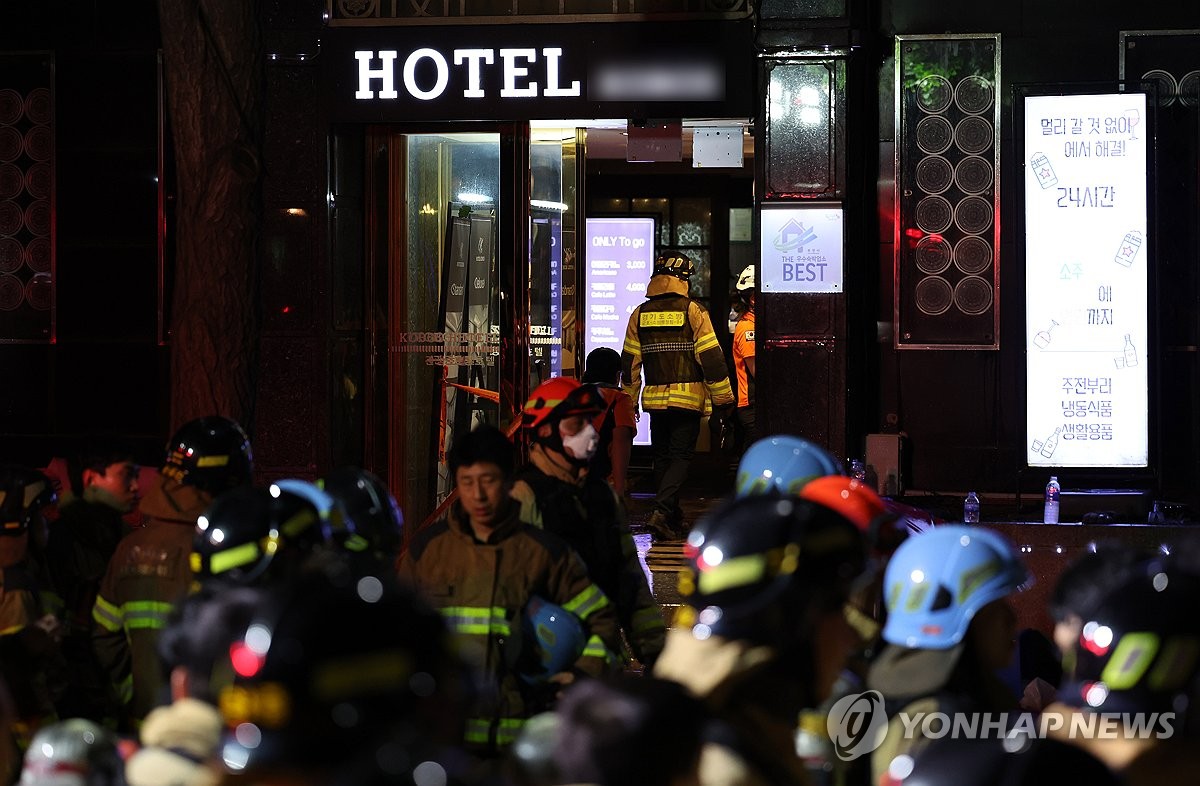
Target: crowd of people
{"x": 189, "y": 627}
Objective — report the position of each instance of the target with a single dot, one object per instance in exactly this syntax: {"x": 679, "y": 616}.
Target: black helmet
{"x": 23, "y": 493}
{"x": 674, "y": 264}
{"x": 247, "y": 530}
{"x": 338, "y": 670}
{"x": 1139, "y": 648}
{"x": 757, "y": 564}
{"x": 211, "y": 453}
{"x": 377, "y": 520}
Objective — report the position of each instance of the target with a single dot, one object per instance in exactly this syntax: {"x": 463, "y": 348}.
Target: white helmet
{"x": 73, "y": 752}
{"x": 746, "y": 279}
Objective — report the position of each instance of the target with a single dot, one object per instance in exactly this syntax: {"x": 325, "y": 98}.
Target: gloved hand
{"x": 724, "y": 412}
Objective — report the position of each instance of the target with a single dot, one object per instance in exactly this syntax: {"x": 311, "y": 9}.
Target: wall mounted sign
{"x": 528, "y": 72}
{"x": 801, "y": 248}
{"x": 1086, "y": 261}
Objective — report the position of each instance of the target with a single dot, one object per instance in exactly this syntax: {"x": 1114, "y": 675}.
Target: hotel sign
{"x": 520, "y": 72}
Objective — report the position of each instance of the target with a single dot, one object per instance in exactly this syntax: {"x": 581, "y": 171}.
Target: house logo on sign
{"x": 793, "y": 235}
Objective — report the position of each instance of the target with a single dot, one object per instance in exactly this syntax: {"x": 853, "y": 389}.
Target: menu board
{"x": 1086, "y": 262}
{"x": 619, "y": 258}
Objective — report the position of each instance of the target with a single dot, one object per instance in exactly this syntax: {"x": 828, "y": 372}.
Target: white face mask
{"x": 582, "y": 445}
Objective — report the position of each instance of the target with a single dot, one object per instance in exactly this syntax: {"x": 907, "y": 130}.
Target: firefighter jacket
{"x": 147, "y": 575}
{"x": 586, "y": 514}
{"x": 746, "y": 688}
{"x": 30, "y": 662}
{"x": 670, "y": 339}
{"x": 481, "y": 589}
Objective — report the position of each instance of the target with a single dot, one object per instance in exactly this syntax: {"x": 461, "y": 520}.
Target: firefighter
{"x": 342, "y": 679}
{"x": 558, "y": 493}
{"x": 763, "y": 634}
{"x": 30, "y": 630}
{"x": 670, "y": 339}
{"x": 743, "y": 353}
{"x": 150, "y": 569}
{"x": 486, "y": 570}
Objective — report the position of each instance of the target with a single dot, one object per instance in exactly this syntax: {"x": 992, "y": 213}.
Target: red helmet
{"x": 858, "y": 503}
{"x": 558, "y": 398}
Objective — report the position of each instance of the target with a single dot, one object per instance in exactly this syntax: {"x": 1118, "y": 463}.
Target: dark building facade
{"x": 467, "y": 157}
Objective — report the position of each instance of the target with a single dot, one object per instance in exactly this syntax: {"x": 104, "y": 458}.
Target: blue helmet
{"x": 783, "y": 464}
{"x": 555, "y": 636}
{"x": 334, "y": 521}
{"x": 938, "y": 580}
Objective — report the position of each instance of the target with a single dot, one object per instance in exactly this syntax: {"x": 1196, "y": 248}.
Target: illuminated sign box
{"x": 801, "y": 248}
{"x": 618, "y": 261}
{"x": 1086, "y": 297}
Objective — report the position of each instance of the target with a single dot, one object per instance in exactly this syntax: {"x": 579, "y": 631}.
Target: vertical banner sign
{"x": 1086, "y": 281}
{"x": 545, "y": 286}
{"x": 619, "y": 261}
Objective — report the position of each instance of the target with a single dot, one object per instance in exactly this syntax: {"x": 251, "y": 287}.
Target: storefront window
{"x": 447, "y": 335}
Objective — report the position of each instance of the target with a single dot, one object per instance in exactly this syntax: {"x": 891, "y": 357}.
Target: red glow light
{"x": 246, "y": 662}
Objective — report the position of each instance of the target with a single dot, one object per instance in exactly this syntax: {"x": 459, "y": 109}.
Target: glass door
{"x": 470, "y": 332}
{"x": 444, "y": 289}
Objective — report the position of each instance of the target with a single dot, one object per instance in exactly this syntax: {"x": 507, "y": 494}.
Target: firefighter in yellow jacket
{"x": 151, "y": 568}
{"x": 671, "y": 340}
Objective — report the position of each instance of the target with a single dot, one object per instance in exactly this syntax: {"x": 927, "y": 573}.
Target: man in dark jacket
{"x": 559, "y": 494}
{"x": 82, "y": 540}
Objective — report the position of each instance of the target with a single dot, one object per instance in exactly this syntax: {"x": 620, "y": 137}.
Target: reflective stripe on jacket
{"x": 481, "y": 590}
{"x": 671, "y": 337}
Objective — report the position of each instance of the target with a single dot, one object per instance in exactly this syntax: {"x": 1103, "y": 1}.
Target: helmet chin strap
{"x": 552, "y": 446}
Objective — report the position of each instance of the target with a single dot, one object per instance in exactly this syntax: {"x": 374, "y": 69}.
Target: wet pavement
{"x": 662, "y": 558}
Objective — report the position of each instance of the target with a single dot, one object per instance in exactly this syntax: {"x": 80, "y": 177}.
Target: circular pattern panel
{"x": 37, "y": 181}
{"x": 1189, "y": 89}
{"x": 934, "y": 174}
{"x": 973, "y": 215}
{"x": 973, "y": 95}
{"x": 11, "y": 292}
{"x": 973, "y": 175}
{"x": 972, "y": 254}
{"x": 973, "y": 134}
{"x": 37, "y": 217}
{"x": 12, "y": 255}
{"x": 11, "y": 106}
{"x": 37, "y": 255}
{"x": 934, "y": 134}
{"x": 37, "y": 106}
{"x": 973, "y": 295}
{"x": 11, "y": 181}
{"x": 934, "y": 93}
{"x": 38, "y": 292}
{"x": 932, "y": 254}
{"x": 11, "y": 143}
{"x": 11, "y": 217}
{"x": 1164, "y": 83}
{"x": 934, "y": 214}
{"x": 933, "y": 295}
{"x": 38, "y": 144}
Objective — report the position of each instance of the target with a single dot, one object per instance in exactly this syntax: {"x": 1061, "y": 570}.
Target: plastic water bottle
{"x": 971, "y": 508}
{"x": 1053, "y": 492}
